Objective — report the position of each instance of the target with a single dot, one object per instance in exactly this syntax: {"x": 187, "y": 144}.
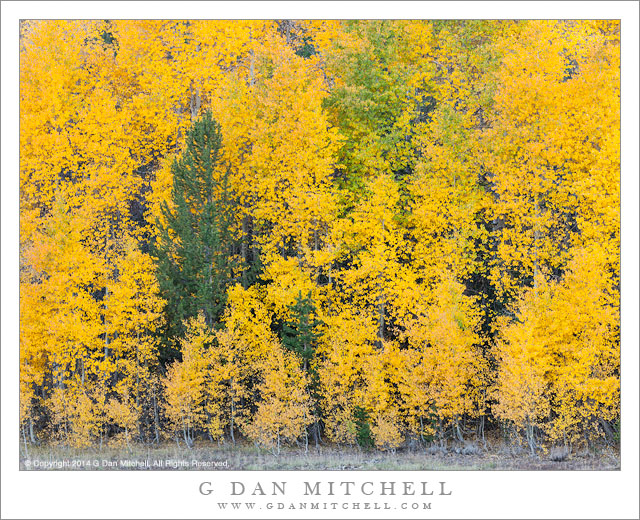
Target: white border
{"x": 174, "y": 494}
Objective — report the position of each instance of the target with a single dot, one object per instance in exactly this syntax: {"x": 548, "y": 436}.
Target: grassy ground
{"x": 214, "y": 457}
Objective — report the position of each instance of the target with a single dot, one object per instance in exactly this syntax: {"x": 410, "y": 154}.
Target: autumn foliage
{"x": 368, "y": 233}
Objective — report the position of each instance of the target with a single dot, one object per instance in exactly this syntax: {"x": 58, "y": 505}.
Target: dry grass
{"x": 245, "y": 457}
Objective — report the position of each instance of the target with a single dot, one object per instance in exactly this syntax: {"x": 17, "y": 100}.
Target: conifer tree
{"x": 192, "y": 249}
{"x": 298, "y": 333}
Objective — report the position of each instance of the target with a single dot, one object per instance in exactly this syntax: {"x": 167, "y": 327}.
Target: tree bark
{"x": 194, "y": 102}
{"x": 233, "y": 413}
{"x": 106, "y": 334}
{"x": 244, "y": 249}
{"x": 24, "y": 438}
{"x": 156, "y": 419}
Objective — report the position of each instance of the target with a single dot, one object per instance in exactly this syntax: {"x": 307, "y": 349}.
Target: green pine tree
{"x": 363, "y": 428}
{"x": 299, "y": 333}
{"x": 193, "y": 248}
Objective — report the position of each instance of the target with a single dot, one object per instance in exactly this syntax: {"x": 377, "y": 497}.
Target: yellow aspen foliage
{"x": 356, "y": 374}
{"x": 185, "y": 383}
{"x": 204, "y": 389}
{"x": 72, "y": 341}
{"x": 91, "y": 303}
{"x": 246, "y": 341}
{"x": 82, "y": 143}
{"x": 381, "y": 399}
{"x": 386, "y": 430}
{"x": 278, "y": 148}
{"x": 559, "y": 362}
{"x": 409, "y": 226}
{"x": 445, "y": 194}
{"x": 55, "y": 81}
{"x": 554, "y": 151}
{"x": 287, "y": 280}
{"x": 228, "y": 375}
{"x": 328, "y": 34}
{"x": 284, "y": 409}
{"x": 445, "y": 373}
{"x": 372, "y": 241}
{"x": 134, "y": 314}
{"x": 349, "y": 340}
{"x": 75, "y": 418}
{"x": 60, "y": 321}
{"x": 444, "y": 211}
{"x": 122, "y": 413}
{"x": 522, "y": 391}
{"x": 544, "y": 150}
{"x": 281, "y": 398}
{"x": 250, "y": 320}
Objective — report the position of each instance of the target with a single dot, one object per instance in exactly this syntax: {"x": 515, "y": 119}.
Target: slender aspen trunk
{"x": 185, "y": 434}
{"x": 530, "y": 437}
{"x": 106, "y": 299}
{"x": 300, "y": 254}
{"x": 381, "y": 300}
{"x": 178, "y": 111}
{"x": 24, "y": 438}
{"x": 106, "y": 333}
{"x": 233, "y": 414}
{"x": 381, "y": 309}
{"x": 316, "y": 247}
{"x": 458, "y": 432}
{"x": 156, "y": 419}
{"x": 244, "y": 249}
{"x": 252, "y": 66}
{"x": 481, "y": 430}
{"x": 140, "y": 429}
{"x": 536, "y": 239}
{"x": 137, "y": 368}
{"x": 381, "y": 322}
{"x": 288, "y": 32}
{"x": 316, "y": 431}
{"x": 194, "y": 102}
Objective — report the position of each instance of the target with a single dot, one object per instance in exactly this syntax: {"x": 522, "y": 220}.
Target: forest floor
{"x": 211, "y": 456}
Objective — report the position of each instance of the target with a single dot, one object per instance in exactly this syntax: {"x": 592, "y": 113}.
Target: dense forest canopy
{"x": 367, "y": 233}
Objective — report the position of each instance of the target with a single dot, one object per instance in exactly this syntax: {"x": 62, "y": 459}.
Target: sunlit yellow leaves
{"x": 443, "y": 194}
{"x": 284, "y": 408}
{"x": 544, "y": 143}
{"x": 562, "y": 354}
{"x": 185, "y": 390}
